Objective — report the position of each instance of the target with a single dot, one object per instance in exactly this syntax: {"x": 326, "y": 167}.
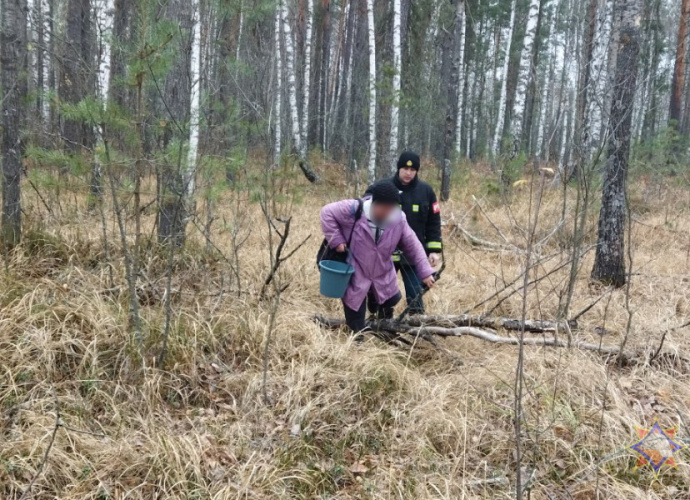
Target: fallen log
{"x": 532, "y": 326}
{"x": 426, "y": 332}
{"x": 449, "y": 321}
{"x": 494, "y": 338}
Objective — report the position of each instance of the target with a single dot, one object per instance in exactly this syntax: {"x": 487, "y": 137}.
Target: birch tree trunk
{"x": 372, "y": 89}
{"x": 582, "y": 124}
{"x": 278, "y": 119}
{"x": 599, "y": 76}
{"x": 500, "y": 117}
{"x": 677, "y": 84}
{"x": 306, "y": 81}
{"x": 240, "y": 31}
{"x": 291, "y": 84}
{"x": 395, "y": 104}
{"x": 104, "y": 23}
{"x": 292, "y": 95}
{"x": 195, "y": 106}
{"x": 460, "y": 18}
{"x": 524, "y": 76}
{"x": 609, "y": 265}
{"x": 13, "y": 78}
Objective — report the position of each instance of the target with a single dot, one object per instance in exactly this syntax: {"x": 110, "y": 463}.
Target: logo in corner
{"x": 657, "y": 447}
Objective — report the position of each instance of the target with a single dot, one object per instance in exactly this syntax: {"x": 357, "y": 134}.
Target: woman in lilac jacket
{"x": 375, "y": 236}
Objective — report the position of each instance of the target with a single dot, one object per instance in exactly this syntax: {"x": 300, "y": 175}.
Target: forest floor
{"x": 334, "y": 419}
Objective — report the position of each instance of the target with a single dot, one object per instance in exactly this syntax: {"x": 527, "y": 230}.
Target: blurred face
{"x": 407, "y": 175}
{"x": 382, "y": 211}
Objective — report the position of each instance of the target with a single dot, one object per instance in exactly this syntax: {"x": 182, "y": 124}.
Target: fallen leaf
{"x": 358, "y": 468}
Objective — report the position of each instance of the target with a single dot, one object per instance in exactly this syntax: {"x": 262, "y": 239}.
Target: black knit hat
{"x": 385, "y": 192}
{"x": 409, "y": 159}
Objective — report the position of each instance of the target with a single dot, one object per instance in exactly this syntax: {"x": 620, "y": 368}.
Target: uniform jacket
{"x": 423, "y": 213}
{"x": 372, "y": 262}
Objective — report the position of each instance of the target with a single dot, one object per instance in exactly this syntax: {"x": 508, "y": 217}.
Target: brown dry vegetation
{"x": 344, "y": 421}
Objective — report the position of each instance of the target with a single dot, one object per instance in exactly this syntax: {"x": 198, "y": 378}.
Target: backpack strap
{"x": 357, "y": 215}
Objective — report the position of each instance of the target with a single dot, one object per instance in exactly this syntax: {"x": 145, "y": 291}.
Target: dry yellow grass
{"x": 344, "y": 421}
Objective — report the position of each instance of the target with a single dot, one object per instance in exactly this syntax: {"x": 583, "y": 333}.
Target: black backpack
{"x": 327, "y": 253}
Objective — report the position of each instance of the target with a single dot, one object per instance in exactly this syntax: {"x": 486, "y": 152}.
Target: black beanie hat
{"x": 385, "y": 192}
{"x": 409, "y": 159}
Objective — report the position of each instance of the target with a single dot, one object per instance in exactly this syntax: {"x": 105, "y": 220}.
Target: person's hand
{"x": 341, "y": 248}
{"x": 429, "y": 282}
{"x": 434, "y": 259}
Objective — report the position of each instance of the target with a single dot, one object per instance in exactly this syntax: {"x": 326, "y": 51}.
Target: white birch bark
{"x": 472, "y": 115}
{"x": 240, "y": 31}
{"x": 546, "y": 88}
{"x": 500, "y": 118}
{"x": 306, "y": 85}
{"x": 32, "y": 65}
{"x": 278, "y": 92}
{"x": 460, "y": 17}
{"x": 46, "y": 61}
{"x": 104, "y": 28}
{"x": 395, "y": 105}
{"x": 431, "y": 34}
{"x": 104, "y": 25}
{"x": 195, "y": 74}
{"x": 291, "y": 80}
{"x": 372, "y": 90}
{"x": 597, "y": 90}
{"x": 524, "y": 76}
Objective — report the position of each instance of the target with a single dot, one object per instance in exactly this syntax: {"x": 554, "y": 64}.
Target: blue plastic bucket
{"x": 335, "y": 276}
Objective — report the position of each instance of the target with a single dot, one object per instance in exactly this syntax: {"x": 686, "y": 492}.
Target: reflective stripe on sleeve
{"x": 396, "y": 257}
{"x": 434, "y": 245}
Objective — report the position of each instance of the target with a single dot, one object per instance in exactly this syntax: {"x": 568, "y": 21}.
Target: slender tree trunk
{"x": 14, "y": 80}
{"x": 460, "y": 19}
{"x": 292, "y": 95}
{"x": 220, "y": 114}
{"x": 372, "y": 90}
{"x": 291, "y": 83}
{"x": 306, "y": 82}
{"x": 196, "y": 66}
{"x": 176, "y": 111}
{"x": 582, "y": 125}
{"x": 118, "y": 62}
{"x": 395, "y": 105}
{"x": 500, "y": 117}
{"x": 609, "y": 265}
{"x": 40, "y": 60}
{"x": 525, "y": 72}
{"x": 678, "y": 83}
{"x": 325, "y": 69}
{"x": 547, "y": 88}
{"x": 76, "y": 77}
{"x": 278, "y": 120}
{"x": 240, "y": 31}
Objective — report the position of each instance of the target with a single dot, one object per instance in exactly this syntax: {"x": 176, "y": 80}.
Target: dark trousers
{"x": 413, "y": 288}
{"x": 357, "y": 320}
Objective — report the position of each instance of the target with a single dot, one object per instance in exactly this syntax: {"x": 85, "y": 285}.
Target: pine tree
{"x": 13, "y": 73}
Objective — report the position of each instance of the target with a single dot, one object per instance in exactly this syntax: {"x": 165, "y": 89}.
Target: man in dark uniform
{"x": 423, "y": 213}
